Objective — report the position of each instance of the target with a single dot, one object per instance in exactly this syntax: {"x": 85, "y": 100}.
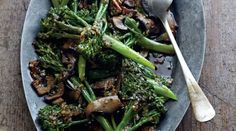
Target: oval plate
{"x": 191, "y": 38}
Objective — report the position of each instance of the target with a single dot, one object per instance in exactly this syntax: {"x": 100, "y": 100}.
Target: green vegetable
{"x": 90, "y": 38}
{"x": 49, "y": 55}
{"x": 162, "y": 89}
{"x": 146, "y": 42}
{"x": 81, "y": 67}
{"x": 128, "y": 116}
{"x": 53, "y": 119}
{"x": 126, "y": 51}
{"x": 59, "y": 3}
{"x": 76, "y": 45}
{"x": 89, "y": 95}
{"x": 141, "y": 87}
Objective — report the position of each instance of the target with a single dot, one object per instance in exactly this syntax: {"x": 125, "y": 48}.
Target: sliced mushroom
{"x": 35, "y": 70}
{"x": 40, "y": 87}
{"x": 69, "y": 60}
{"x": 69, "y": 45}
{"x": 58, "y": 101}
{"x": 148, "y": 24}
{"x": 106, "y": 84}
{"x": 105, "y": 105}
{"x": 74, "y": 94}
{"x": 118, "y": 21}
{"x": 58, "y": 92}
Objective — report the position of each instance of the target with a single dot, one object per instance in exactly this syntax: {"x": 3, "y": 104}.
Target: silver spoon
{"x": 202, "y": 108}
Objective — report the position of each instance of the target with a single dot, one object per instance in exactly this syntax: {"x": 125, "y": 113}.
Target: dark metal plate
{"x": 191, "y": 38}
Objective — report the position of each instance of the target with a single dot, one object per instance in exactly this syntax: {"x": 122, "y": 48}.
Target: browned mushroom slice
{"x": 106, "y": 84}
{"x": 172, "y": 22}
{"x": 118, "y": 22}
{"x": 35, "y": 70}
{"x": 74, "y": 94}
{"x": 68, "y": 59}
{"x": 148, "y": 24}
{"x": 40, "y": 87}
{"x": 69, "y": 45}
{"x": 58, "y": 101}
{"x": 57, "y": 92}
{"x": 105, "y": 105}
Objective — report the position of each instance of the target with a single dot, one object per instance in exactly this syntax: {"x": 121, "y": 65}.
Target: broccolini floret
{"x": 58, "y": 117}
{"x": 49, "y": 56}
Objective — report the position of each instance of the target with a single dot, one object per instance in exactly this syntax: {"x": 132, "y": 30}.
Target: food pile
{"x": 93, "y": 68}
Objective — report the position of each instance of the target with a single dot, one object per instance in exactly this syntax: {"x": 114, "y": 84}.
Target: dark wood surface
{"x": 218, "y": 78}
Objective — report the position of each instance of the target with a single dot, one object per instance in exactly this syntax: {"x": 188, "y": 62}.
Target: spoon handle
{"x": 202, "y": 108}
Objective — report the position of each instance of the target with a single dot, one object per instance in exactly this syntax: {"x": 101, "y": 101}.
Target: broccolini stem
{"x": 75, "y": 6}
{"x": 113, "y": 121}
{"x": 130, "y": 42}
{"x": 155, "y": 46}
{"x": 104, "y": 28}
{"x": 81, "y": 67}
{"x": 85, "y": 93}
{"x": 125, "y": 36}
{"x": 98, "y": 13}
{"x": 126, "y": 51}
{"x": 102, "y": 10}
{"x": 142, "y": 121}
{"x": 129, "y": 114}
{"x": 146, "y": 42}
{"x": 79, "y": 19}
{"x": 77, "y": 122}
{"x": 162, "y": 89}
{"x": 104, "y": 123}
{"x": 69, "y": 28}
{"x": 90, "y": 90}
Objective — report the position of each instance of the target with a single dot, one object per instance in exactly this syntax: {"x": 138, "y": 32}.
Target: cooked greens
{"x": 90, "y": 69}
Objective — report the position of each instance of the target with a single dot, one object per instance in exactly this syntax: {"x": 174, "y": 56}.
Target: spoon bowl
{"x": 202, "y": 108}
{"x": 160, "y": 7}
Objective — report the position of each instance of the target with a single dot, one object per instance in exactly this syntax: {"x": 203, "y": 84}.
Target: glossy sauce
{"x": 163, "y": 63}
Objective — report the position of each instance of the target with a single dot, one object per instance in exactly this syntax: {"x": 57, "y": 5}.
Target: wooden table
{"x": 218, "y": 78}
